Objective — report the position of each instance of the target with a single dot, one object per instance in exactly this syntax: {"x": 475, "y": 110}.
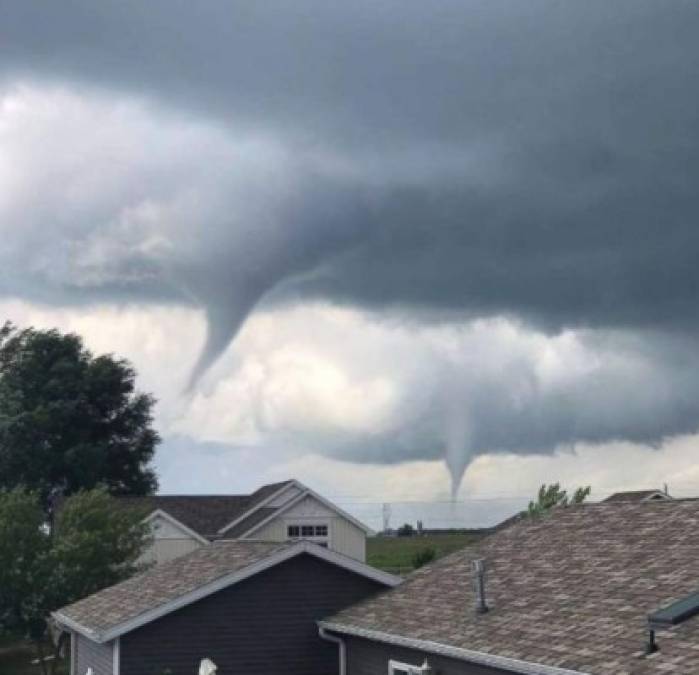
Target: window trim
{"x": 398, "y": 668}
{"x": 299, "y": 525}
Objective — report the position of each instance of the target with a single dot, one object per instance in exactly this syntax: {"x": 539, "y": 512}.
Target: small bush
{"x": 424, "y": 556}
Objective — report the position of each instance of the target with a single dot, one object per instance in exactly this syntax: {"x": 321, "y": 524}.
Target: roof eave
{"x": 225, "y": 581}
{"x": 308, "y": 492}
{"x": 246, "y": 514}
{"x": 73, "y": 625}
{"x": 458, "y": 653}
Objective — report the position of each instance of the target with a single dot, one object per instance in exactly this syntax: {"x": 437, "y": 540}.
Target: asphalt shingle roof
{"x": 205, "y": 514}
{"x": 632, "y": 495}
{"x": 248, "y": 523}
{"x": 571, "y": 589}
{"x": 168, "y": 581}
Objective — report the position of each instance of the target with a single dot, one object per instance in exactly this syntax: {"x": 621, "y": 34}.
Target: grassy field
{"x": 16, "y": 657}
{"x": 395, "y": 554}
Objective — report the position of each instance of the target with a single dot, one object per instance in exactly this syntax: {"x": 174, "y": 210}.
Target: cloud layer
{"x": 515, "y": 185}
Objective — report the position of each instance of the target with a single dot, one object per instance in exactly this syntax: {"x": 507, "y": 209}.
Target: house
{"x": 639, "y": 496}
{"x": 600, "y": 589}
{"x": 279, "y": 512}
{"x": 250, "y": 607}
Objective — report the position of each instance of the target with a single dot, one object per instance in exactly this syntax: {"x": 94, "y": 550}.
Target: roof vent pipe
{"x": 478, "y": 569}
{"x": 672, "y": 615}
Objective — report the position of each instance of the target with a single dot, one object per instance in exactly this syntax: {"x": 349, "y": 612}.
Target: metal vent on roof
{"x": 675, "y": 613}
{"x": 669, "y": 616}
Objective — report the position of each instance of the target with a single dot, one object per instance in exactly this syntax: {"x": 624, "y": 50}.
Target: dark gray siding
{"x": 371, "y": 658}
{"x": 265, "y": 625}
{"x": 89, "y": 654}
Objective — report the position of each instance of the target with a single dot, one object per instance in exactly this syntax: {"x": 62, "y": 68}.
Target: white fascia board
{"x": 75, "y": 627}
{"x": 307, "y": 492}
{"x": 282, "y": 509}
{"x": 173, "y": 521}
{"x": 458, "y": 653}
{"x": 390, "y": 580}
{"x": 229, "y": 580}
{"x": 257, "y": 507}
{"x": 341, "y": 512}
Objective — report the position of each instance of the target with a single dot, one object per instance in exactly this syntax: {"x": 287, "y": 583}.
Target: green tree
{"x": 406, "y": 530}
{"x": 24, "y": 563}
{"x": 552, "y": 495}
{"x": 94, "y": 544}
{"x": 71, "y": 421}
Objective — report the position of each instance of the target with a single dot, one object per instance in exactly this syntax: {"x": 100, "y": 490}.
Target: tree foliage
{"x": 405, "y": 530}
{"x": 71, "y": 421}
{"x": 24, "y": 563}
{"x": 552, "y": 495}
{"x": 94, "y": 544}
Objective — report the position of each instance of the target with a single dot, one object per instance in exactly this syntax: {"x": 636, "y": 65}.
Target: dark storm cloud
{"x": 536, "y": 160}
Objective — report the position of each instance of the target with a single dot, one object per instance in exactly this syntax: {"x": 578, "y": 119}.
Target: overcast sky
{"x": 394, "y": 249}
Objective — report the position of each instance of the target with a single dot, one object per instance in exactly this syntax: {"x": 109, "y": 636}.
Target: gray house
{"x": 598, "y": 589}
{"x": 250, "y": 607}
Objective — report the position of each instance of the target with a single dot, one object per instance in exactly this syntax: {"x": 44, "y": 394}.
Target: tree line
{"x": 74, "y": 431}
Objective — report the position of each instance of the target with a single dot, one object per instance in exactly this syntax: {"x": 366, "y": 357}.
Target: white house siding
{"x": 348, "y": 539}
{"x": 169, "y": 542}
{"x": 89, "y": 654}
{"x": 275, "y": 530}
{"x": 162, "y": 550}
{"x": 344, "y": 536}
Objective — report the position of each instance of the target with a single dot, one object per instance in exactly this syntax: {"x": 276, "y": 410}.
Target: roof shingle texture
{"x": 205, "y": 514}
{"x": 255, "y": 518}
{"x": 633, "y": 495}
{"x": 166, "y": 582}
{"x": 571, "y": 589}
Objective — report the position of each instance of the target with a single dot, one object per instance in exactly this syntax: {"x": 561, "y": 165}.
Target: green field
{"x": 16, "y": 657}
{"x": 395, "y": 554}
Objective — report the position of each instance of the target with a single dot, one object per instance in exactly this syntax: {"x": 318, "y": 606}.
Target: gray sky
{"x": 371, "y": 234}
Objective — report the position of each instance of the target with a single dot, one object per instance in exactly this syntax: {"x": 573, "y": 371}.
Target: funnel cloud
{"x": 531, "y": 168}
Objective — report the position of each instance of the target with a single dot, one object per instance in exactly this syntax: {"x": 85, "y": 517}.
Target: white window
{"x": 398, "y": 668}
{"x": 317, "y": 533}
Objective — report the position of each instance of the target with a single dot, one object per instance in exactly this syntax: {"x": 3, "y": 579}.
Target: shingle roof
{"x": 174, "y": 584}
{"x": 205, "y": 514}
{"x": 571, "y": 589}
{"x": 635, "y": 495}
{"x": 166, "y": 582}
{"x": 246, "y": 524}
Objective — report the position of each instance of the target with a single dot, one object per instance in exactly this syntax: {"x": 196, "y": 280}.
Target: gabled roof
{"x": 202, "y": 513}
{"x": 638, "y": 496}
{"x": 167, "y": 587}
{"x": 570, "y": 590}
{"x": 231, "y": 516}
{"x": 256, "y": 517}
{"x": 306, "y": 492}
{"x": 205, "y": 514}
{"x": 259, "y": 499}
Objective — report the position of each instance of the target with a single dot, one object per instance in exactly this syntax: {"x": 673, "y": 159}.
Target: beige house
{"x": 284, "y": 511}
